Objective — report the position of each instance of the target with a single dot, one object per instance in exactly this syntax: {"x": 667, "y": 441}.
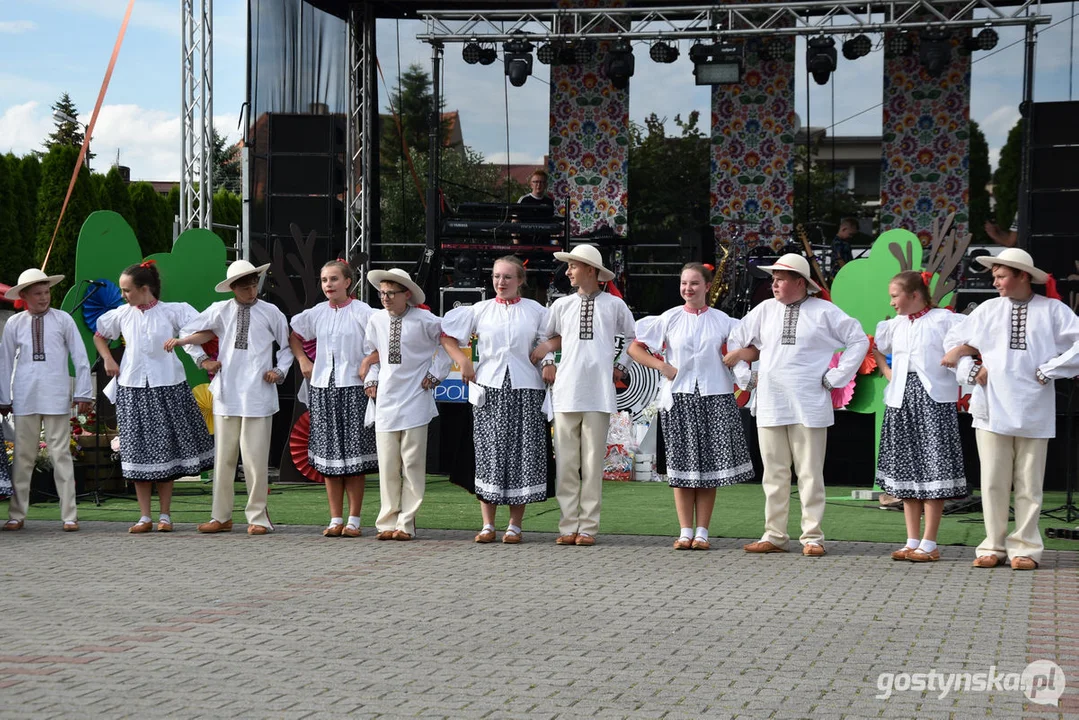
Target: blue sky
{"x": 51, "y": 46}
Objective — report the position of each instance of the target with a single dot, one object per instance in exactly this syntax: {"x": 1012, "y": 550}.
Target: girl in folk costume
{"x": 340, "y": 448}
{"x": 162, "y": 433}
{"x": 506, "y": 390}
{"x": 702, "y": 429}
{"x": 43, "y": 341}
{"x": 244, "y": 390}
{"x": 1025, "y": 342}
{"x": 408, "y": 365}
{"x": 920, "y": 459}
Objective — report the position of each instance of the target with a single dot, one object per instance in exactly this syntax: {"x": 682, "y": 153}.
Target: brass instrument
{"x": 720, "y": 284}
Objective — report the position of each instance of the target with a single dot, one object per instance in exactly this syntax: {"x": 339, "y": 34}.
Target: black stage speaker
{"x": 1053, "y": 239}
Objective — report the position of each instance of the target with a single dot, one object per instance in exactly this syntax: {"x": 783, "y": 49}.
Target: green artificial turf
{"x": 629, "y": 508}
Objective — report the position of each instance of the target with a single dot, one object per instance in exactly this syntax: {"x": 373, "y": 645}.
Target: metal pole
{"x": 434, "y": 138}
{"x": 1026, "y": 109}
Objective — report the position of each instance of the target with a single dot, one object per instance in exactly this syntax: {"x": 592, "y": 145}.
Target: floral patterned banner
{"x": 752, "y": 198}
{"x": 589, "y": 141}
{"x": 925, "y": 156}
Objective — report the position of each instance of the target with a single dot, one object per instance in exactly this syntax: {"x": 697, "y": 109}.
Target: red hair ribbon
{"x": 1051, "y": 287}
{"x": 147, "y": 263}
{"x": 927, "y": 277}
{"x": 342, "y": 261}
{"x": 711, "y": 268}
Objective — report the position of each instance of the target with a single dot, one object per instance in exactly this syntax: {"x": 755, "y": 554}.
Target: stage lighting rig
{"x": 662, "y": 52}
{"x": 517, "y": 55}
{"x": 488, "y": 55}
{"x": 985, "y": 40}
{"x": 471, "y": 52}
{"x": 897, "y": 45}
{"x": 857, "y": 47}
{"x": 583, "y": 51}
{"x": 716, "y": 64}
{"x": 619, "y": 64}
{"x": 935, "y": 52}
{"x": 547, "y": 54}
{"x": 821, "y": 58}
{"x": 776, "y": 49}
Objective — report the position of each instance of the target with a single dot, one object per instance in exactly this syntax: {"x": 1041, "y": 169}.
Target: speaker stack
{"x": 1054, "y": 193}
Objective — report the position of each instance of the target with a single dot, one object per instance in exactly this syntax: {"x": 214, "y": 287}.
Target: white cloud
{"x": 15, "y": 27}
{"x": 23, "y": 128}
{"x": 994, "y": 157}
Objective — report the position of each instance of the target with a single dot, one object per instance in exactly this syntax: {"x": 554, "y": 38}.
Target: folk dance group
{"x": 370, "y": 394}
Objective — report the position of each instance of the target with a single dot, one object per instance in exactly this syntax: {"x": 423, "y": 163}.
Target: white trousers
{"x": 803, "y": 447}
{"x": 57, "y": 439}
{"x": 249, "y": 438}
{"x": 1011, "y": 462}
{"x": 580, "y": 446}
{"x": 402, "y": 477}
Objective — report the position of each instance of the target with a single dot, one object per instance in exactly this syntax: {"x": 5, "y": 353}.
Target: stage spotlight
{"x": 619, "y": 64}
{"x": 546, "y": 54}
{"x": 776, "y": 49}
{"x": 935, "y": 52}
{"x": 517, "y": 55}
{"x": 663, "y": 52}
{"x": 985, "y": 40}
{"x": 718, "y": 64}
{"x": 699, "y": 53}
{"x": 583, "y": 51}
{"x": 488, "y": 55}
{"x": 471, "y": 53}
{"x": 857, "y": 47}
{"x": 897, "y": 45}
{"x": 821, "y": 58}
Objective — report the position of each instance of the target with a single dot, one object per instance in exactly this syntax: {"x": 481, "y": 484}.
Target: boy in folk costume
{"x": 410, "y": 364}
{"x": 244, "y": 389}
{"x": 1025, "y": 341}
{"x": 585, "y": 325}
{"x": 797, "y": 335}
{"x": 42, "y": 340}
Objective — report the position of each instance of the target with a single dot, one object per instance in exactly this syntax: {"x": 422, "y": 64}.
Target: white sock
{"x": 913, "y": 543}
{"x": 486, "y": 527}
{"x": 702, "y": 532}
{"x": 163, "y": 517}
{"x": 687, "y": 533}
{"x": 354, "y": 521}
{"x": 928, "y": 546}
{"x": 337, "y": 521}
{"x": 513, "y": 529}
{"x": 145, "y": 518}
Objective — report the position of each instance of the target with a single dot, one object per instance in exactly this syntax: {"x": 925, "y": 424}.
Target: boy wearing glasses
{"x": 410, "y": 363}
{"x": 244, "y": 387}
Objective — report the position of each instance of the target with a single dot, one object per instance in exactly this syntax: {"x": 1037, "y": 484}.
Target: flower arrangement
{"x": 42, "y": 461}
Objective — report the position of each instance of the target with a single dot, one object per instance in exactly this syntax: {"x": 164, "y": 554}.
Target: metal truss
{"x": 362, "y": 113}
{"x": 812, "y": 17}
{"x": 196, "y": 114}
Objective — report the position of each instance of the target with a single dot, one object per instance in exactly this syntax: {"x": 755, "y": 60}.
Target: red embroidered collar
{"x": 511, "y": 301}
{"x": 923, "y": 311}
{"x": 337, "y": 306}
{"x": 695, "y": 311}
{"x": 148, "y": 305}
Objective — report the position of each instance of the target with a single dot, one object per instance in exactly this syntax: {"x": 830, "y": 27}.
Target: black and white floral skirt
{"x": 705, "y": 444}
{"x": 509, "y": 435}
{"x": 5, "y": 474}
{"x": 162, "y": 433}
{"x": 920, "y": 452}
{"x": 339, "y": 444}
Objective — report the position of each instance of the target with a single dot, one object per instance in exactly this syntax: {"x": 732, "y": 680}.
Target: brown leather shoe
{"x": 12, "y": 525}
{"x": 141, "y": 527}
{"x": 257, "y": 530}
{"x": 215, "y": 526}
{"x": 401, "y": 535}
{"x": 813, "y": 550}
{"x": 71, "y": 527}
{"x": 164, "y": 526}
{"x": 700, "y": 543}
{"x": 512, "y": 538}
{"x": 683, "y": 543}
{"x": 986, "y": 561}
{"x": 902, "y": 553}
{"x": 349, "y": 531}
{"x": 567, "y": 539}
{"x": 385, "y": 535}
{"x": 763, "y": 546}
{"x": 333, "y": 530}
{"x": 485, "y": 536}
{"x": 585, "y": 540}
{"x": 1022, "y": 562}
{"x": 919, "y": 555}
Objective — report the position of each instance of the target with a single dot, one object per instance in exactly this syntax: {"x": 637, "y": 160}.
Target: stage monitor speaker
{"x": 323, "y": 214}
{"x": 1056, "y": 254}
{"x": 966, "y": 300}
{"x": 452, "y": 297}
{"x": 1054, "y": 123}
{"x": 1055, "y": 168}
{"x": 1052, "y": 212}
{"x": 306, "y": 134}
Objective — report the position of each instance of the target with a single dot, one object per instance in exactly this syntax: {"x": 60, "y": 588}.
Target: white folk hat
{"x": 1013, "y": 258}
{"x": 237, "y": 270}
{"x": 399, "y": 276}
{"x": 589, "y": 255}
{"x": 32, "y": 276}
{"x": 795, "y": 263}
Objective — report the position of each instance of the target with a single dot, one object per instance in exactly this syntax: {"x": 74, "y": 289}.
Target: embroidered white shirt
{"x": 245, "y": 339}
{"x": 409, "y": 349}
{"x": 507, "y": 334}
{"x": 693, "y": 344}
{"x": 34, "y": 364}
{"x": 340, "y": 335}
{"x": 145, "y": 362}
{"x": 1016, "y": 341}
{"x": 589, "y": 326}
{"x": 796, "y": 343}
{"x": 917, "y": 346}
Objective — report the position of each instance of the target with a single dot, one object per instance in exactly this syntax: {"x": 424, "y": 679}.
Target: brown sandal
{"x": 487, "y": 535}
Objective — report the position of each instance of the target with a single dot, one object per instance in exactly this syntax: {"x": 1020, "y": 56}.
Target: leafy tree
{"x": 67, "y": 132}
{"x": 155, "y": 218}
{"x": 10, "y": 241}
{"x": 173, "y": 200}
{"x": 228, "y": 210}
{"x": 411, "y": 98}
{"x": 819, "y": 194}
{"x": 113, "y": 195}
{"x": 1006, "y": 177}
{"x": 56, "y": 171}
{"x": 670, "y": 177}
{"x": 979, "y": 181}
{"x": 226, "y": 164}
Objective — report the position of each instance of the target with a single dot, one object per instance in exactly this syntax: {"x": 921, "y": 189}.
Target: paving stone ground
{"x": 292, "y": 625}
